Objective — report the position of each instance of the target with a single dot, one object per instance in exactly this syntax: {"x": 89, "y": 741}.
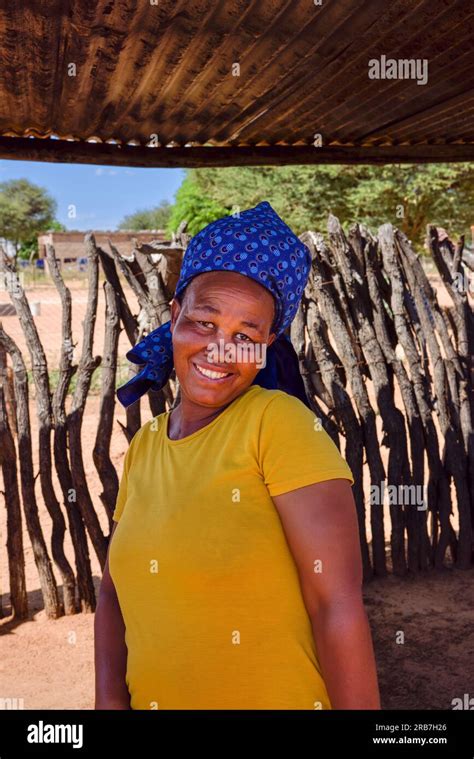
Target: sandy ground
{"x": 48, "y": 321}
{"x": 49, "y": 664}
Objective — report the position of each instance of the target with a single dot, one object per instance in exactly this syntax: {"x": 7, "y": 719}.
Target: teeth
{"x": 210, "y": 374}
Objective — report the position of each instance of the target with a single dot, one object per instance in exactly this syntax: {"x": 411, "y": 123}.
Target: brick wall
{"x": 71, "y": 244}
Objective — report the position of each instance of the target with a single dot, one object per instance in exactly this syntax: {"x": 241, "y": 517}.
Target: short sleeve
{"x": 294, "y": 449}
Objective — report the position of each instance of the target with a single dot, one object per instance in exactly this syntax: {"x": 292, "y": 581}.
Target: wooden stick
{"x": 85, "y": 584}
{"x": 49, "y": 590}
{"x": 45, "y": 417}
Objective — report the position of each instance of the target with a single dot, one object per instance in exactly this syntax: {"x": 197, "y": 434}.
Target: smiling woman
{"x": 235, "y": 571}
{"x": 217, "y": 306}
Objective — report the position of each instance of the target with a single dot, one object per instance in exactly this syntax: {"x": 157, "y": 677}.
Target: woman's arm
{"x": 111, "y": 690}
{"x": 320, "y": 524}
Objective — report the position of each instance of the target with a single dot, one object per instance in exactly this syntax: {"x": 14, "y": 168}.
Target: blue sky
{"x": 101, "y": 195}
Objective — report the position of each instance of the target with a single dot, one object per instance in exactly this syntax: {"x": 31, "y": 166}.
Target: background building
{"x": 70, "y": 249}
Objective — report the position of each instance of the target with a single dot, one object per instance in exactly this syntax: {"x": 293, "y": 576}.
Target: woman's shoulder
{"x": 149, "y": 427}
{"x": 293, "y": 448}
{"x": 274, "y": 411}
{"x": 275, "y": 402}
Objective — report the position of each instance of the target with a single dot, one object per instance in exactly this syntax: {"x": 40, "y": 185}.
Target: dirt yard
{"x": 49, "y": 664}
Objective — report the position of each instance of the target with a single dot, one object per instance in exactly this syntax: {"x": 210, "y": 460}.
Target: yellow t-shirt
{"x": 206, "y": 582}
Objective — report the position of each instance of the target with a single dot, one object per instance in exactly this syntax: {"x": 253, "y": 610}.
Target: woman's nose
{"x": 222, "y": 346}
{"x": 224, "y": 335}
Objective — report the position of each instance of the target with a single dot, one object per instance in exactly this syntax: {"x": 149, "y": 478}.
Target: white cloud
{"x": 101, "y": 172}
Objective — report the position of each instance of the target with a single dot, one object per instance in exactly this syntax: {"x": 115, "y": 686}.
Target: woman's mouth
{"x": 211, "y": 374}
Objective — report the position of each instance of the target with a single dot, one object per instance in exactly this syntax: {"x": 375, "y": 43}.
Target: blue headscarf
{"x": 258, "y": 244}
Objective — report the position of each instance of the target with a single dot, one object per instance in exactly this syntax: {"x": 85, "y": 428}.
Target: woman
{"x": 233, "y": 578}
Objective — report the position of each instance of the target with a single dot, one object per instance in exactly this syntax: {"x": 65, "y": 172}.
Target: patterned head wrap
{"x": 257, "y": 244}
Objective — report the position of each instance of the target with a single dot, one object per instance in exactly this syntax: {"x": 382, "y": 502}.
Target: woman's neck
{"x": 188, "y": 417}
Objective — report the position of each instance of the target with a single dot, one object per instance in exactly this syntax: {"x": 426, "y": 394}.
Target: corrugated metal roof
{"x": 236, "y": 74}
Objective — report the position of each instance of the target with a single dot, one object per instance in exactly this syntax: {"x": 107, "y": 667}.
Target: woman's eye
{"x": 205, "y": 324}
{"x": 209, "y": 325}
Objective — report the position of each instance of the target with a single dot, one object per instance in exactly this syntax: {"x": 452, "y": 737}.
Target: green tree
{"x": 196, "y": 207}
{"x": 25, "y": 210}
{"x": 409, "y": 196}
{"x": 29, "y": 250}
{"x": 153, "y": 218}
{"x": 412, "y": 196}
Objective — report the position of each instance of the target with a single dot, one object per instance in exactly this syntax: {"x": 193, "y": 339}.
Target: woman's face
{"x": 225, "y": 310}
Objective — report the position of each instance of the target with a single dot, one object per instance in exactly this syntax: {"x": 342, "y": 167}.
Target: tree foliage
{"x": 196, "y": 207}
{"x": 28, "y": 249}
{"x": 409, "y": 196}
{"x": 25, "y": 210}
{"x": 154, "y": 218}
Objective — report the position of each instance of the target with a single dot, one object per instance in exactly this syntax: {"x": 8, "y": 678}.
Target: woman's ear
{"x": 175, "y": 309}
